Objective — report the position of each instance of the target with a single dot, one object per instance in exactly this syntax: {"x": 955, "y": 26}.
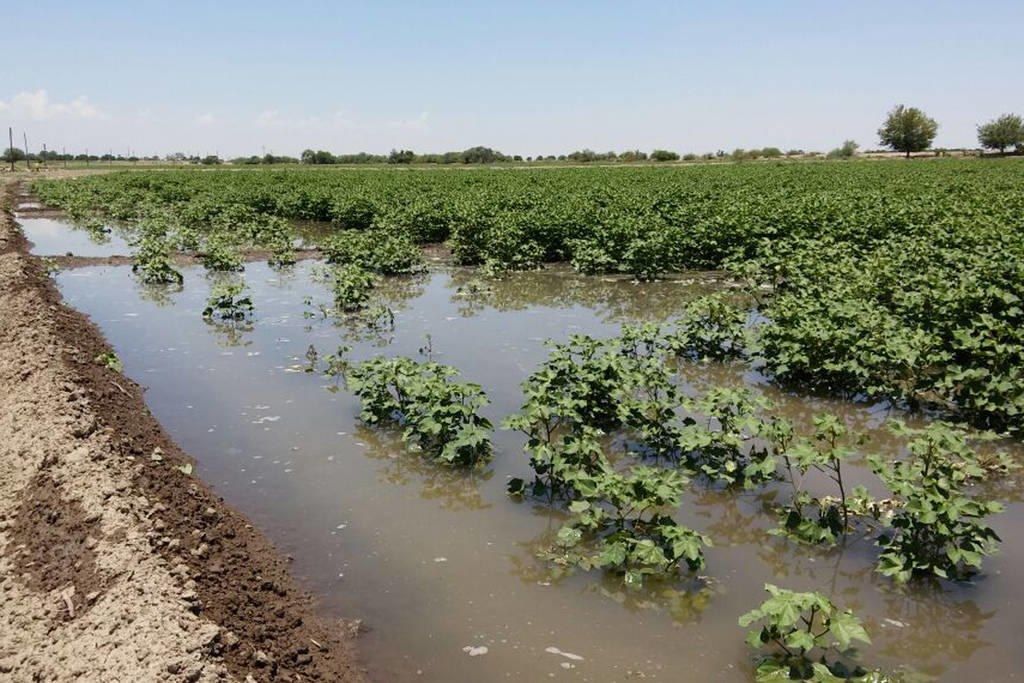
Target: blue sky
{"x": 525, "y": 77}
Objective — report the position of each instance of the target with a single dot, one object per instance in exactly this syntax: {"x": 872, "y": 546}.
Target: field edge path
{"x": 116, "y": 562}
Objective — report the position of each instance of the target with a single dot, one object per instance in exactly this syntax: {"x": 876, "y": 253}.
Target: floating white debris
{"x": 266, "y": 418}
{"x": 568, "y": 655}
{"x": 567, "y": 665}
{"x": 341, "y": 526}
{"x": 440, "y": 559}
{"x": 475, "y": 651}
{"x": 893, "y": 622}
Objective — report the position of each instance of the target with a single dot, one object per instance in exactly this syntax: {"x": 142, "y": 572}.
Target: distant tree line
{"x": 905, "y": 129}
{"x": 265, "y": 159}
{"x": 18, "y": 154}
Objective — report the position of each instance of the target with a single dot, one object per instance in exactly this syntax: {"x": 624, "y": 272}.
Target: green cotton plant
{"x": 579, "y": 379}
{"x": 583, "y": 391}
{"x": 590, "y": 390}
{"x": 621, "y": 526}
{"x": 591, "y": 259}
{"x": 725, "y": 447}
{"x": 226, "y": 303}
{"x": 710, "y": 328}
{"x": 938, "y": 529}
{"x": 218, "y": 253}
{"x": 509, "y": 248}
{"x": 187, "y": 238}
{"x": 337, "y": 364}
{"x": 350, "y": 286}
{"x": 438, "y": 417}
{"x": 820, "y": 519}
{"x": 276, "y": 236}
{"x": 806, "y": 636}
{"x": 152, "y": 261}
{"x": 380, "y": 318}
{"x": 379, "y": 251}
{"x": 565, "y": 463}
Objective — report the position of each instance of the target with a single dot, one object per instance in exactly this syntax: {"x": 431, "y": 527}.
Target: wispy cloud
{"x": 37, "y": 106}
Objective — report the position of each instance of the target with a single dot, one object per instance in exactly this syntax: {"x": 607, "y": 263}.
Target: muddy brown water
{"x": 439, "y": 564}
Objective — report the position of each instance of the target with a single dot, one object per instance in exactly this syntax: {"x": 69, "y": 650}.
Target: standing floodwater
{"x": 57, "y": 237}
{"x": 439, "y": 564}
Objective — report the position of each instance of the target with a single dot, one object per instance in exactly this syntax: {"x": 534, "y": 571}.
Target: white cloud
{"x": 36, "y": 105}
{"x": 206, "y": 119}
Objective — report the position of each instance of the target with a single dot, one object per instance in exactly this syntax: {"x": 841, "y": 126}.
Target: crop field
{"x": 651, "y": 410}
{"x": 874, "y": 280}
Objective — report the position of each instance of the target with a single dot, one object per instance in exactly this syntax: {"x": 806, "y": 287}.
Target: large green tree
{"x": 13, "y": 154}
{"x": 1006, "y": 131}
{"x": 908, "y": 129}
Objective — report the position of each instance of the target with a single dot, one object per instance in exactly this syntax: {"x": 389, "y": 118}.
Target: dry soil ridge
{"x": 115, "y": 563}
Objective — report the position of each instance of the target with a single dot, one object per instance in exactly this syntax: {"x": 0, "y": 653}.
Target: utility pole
{"x": 10, "y": 149}
{"x": 87, "y": 157}
{"x": 64, "y": 156}
{"x": 44, "y": 154}
{"x": 28, "y": 163}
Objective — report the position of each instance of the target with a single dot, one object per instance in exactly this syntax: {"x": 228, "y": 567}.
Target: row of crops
{"x": 886, "y": 281}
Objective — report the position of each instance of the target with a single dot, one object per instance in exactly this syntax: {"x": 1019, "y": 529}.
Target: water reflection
{"x": 731, "y": 518}
{"x": 932, "y": 622}
{"x": 375, "y": 323}
{"x": 684, "y": 598}
{"x": 452, "y": 488}
{"x": 683, "y": 603}
{"x": 614, "y": 299}
{"x": 60, "y": 236}
{"x": 162, "y": 295}
{"x": 230, "y": 333}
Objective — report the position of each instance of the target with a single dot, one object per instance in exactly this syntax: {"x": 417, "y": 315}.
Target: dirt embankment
{"x": 116, "y": 562}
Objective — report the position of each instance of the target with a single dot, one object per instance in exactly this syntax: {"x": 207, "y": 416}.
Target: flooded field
{"x": 441, "y": 565}
{"x": 55, "y": 237}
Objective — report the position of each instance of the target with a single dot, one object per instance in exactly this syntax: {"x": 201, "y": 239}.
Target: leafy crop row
{"x": 884, "y": 281}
